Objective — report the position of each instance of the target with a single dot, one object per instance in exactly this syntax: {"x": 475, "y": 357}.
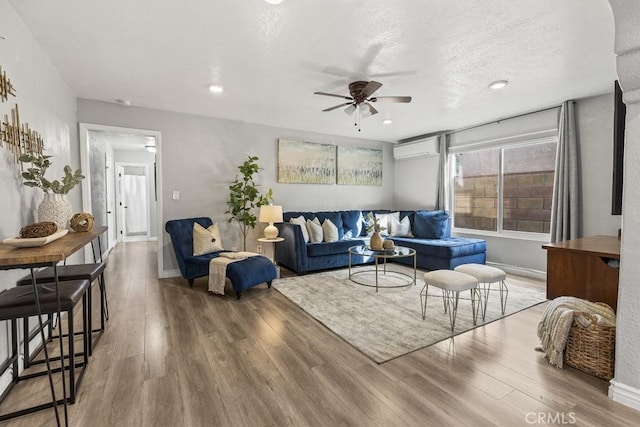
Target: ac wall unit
{"x": 423, "y": 148}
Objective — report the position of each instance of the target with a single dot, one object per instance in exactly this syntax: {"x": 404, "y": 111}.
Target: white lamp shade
{"x": 270, "y": 214}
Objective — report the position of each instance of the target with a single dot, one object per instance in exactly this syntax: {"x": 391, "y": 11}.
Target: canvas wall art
{"x": 359, "y": 166}
{"x": 306, "y": 163}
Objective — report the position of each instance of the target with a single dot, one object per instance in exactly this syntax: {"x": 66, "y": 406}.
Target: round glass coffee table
{"x": 381, "y": 257}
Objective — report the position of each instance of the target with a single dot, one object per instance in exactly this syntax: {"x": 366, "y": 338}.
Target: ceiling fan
{"x": 361, "y": 99}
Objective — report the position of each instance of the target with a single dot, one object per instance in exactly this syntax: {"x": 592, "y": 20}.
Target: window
{"x": 504, "y": 189}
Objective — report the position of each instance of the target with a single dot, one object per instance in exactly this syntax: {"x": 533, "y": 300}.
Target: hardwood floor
{"x": 176, "y": 356}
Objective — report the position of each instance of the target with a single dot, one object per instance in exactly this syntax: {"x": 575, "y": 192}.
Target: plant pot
{"x": 376, "y": 241}
{"x": 57, "y": 209}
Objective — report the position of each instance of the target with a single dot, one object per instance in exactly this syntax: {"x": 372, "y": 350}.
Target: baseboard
{"x": 624, "y": 394}
{"x": 167, "y": 274}
{"x": 526, "y": 272}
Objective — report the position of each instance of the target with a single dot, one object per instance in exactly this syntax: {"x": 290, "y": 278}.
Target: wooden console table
{"x": 582, "y": 268}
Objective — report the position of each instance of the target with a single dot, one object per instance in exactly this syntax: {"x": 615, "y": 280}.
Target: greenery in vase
{"x": 372, "y": 224}
{"x": 34, "y": 176}
{"x": 244, "y": 198}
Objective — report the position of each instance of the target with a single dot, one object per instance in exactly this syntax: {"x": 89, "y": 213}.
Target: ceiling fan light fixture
{"x": 498, "y": 84}
{"x": 365, "y": 111}
{"x": 216, "y": 89}
{"x": 350, "y": 109}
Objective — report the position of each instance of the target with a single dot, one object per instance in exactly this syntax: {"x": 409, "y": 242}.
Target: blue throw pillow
{"x": 430, "y": 224}
{"x": 353, "y": 224}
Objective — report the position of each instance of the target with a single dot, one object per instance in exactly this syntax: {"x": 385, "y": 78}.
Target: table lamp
{"x": 270, "y": 214}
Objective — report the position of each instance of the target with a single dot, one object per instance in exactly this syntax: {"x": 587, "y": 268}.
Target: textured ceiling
{"x": 164, "y": 53}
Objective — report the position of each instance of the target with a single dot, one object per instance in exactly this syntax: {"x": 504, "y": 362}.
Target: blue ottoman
{"x": 250, "y": 272}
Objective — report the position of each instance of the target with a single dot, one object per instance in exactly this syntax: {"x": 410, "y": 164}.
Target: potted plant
{"x": 244, "y": 198}
{"x": 372, "y": 224}
{"x": 55, "y": 207}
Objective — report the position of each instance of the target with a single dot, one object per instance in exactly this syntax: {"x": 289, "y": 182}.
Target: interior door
{"x": 133, "y": 203}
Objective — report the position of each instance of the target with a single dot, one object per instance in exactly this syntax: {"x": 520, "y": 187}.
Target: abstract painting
{"x": 306, "y": 163}
{"x": 359, "y": 166}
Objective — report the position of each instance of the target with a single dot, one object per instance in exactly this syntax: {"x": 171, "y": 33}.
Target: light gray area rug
{"x": 389, "y": 324}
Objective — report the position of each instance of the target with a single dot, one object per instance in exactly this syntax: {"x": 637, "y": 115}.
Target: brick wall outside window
{"x": 527, "y": 202}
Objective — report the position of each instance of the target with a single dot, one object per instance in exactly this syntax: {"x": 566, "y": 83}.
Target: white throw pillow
{"x": 206, "y": 240}
{"x": 383, "y": 221}
{"x": 303, "y": 226}
{"x": 315, "y": 230}
{"x": 330, "y": 231}
{"x": 400, "y": 228}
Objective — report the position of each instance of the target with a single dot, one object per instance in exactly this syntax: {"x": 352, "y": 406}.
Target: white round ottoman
{"x": 452, "y": 283}
{"x": 487, "y": 275}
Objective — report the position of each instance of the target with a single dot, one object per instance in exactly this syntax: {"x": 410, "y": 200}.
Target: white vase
{"x": 57, "y": 209}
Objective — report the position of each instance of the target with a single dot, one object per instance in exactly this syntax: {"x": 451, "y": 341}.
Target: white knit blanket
{"x": 218, "y": 269}
{"x": 553, "y": 329}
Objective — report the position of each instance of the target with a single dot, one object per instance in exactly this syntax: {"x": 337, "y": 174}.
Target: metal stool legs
{"x": 450, "y": 300}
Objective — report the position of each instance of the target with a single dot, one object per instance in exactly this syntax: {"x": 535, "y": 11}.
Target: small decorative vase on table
{"x": 376, "y": 241}
{"x": 55, "y": 208}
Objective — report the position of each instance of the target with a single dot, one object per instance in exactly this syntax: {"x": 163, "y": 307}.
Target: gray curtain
{"x": 565, "y": 211}
{"x": 443, "y": 174}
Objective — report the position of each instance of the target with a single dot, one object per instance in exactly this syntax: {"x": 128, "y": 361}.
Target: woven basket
{"x": 591, "y": 349}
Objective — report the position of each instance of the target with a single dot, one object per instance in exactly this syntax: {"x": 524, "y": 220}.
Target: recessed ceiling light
{"x": 273, "y": 1}
{"x": 498, "y": 84}
{"x": 216, "y": 88}
{"x": 387, "y": 121}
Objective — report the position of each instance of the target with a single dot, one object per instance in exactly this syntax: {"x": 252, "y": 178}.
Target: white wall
{"x": 595, "y": 129}
{"x": 625, "y": 387}
{"x": 416, "y": 179}
{"x": 200, "y": 156}
{"x": 99, "y": 147}
{"x": 48, "y": 106}
{"x": 416, "y": 183}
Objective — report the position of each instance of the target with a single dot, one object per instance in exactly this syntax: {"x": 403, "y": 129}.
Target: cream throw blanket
{"x": 218, "y": 269}
{"x": 553, "y": 329}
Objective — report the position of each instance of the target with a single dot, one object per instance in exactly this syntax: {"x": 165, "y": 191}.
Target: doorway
{"x": 102, "y": 150}
{"x": 133, "y": 202}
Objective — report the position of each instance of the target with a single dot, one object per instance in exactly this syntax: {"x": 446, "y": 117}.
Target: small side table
{"x": 273, "y": 246}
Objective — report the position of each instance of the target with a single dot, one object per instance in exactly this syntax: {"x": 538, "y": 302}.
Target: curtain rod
{"x": 417, "y": 137}
{"x": 503, "y": 119}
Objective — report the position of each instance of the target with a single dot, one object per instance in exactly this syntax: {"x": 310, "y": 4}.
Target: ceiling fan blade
{"x": 404, "y": 99}
{"x": 371, "y": 87}
{"x": 332, "y": 94}
{"x": 337, "y": 106}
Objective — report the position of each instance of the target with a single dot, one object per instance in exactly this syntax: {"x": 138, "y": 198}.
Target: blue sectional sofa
{"x": 435, "y": 248}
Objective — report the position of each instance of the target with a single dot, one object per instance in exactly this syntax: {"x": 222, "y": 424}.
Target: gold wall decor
{"x": 6, "y": 88}
{"x": 19, "y": 138}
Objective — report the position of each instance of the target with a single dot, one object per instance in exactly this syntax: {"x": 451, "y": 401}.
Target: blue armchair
{"x": 243, "y": 274}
